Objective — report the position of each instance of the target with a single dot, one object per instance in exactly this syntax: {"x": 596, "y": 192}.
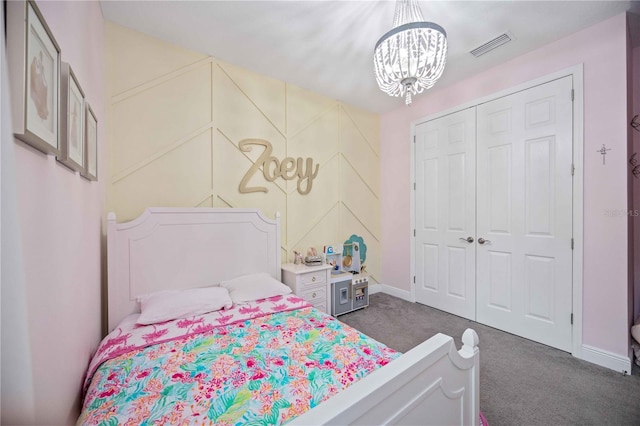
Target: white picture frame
{"x": 34, "y": 70}
{"x": 72, "y": 122}
{"x": 90, "y": 170}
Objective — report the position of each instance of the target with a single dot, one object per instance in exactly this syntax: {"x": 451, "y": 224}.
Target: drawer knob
{"x": 313, "y": 295}
{"x": 313, "y": 278}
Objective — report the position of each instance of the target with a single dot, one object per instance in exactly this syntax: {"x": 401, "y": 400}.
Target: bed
{"x": 271, "y": 360}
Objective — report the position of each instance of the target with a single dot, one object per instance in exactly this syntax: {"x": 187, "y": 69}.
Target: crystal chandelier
{"x": 410, "y": 57}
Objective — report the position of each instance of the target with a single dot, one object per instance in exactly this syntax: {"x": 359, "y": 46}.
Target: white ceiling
{"x": 327, "y": 46}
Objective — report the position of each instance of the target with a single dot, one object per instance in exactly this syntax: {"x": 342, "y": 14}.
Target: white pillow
{"x": 248, "y": 288}
{"x": 635, "y": 330}
{"x": 169, "y": 305}
{"x": 129, "y": 322}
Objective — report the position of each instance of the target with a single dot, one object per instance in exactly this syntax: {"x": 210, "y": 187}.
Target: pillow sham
{"x": 174, "y": 304}
{"x": 635, "y": 330}
{"x": 248, "y": 288}
{"x": 129, "y": 322}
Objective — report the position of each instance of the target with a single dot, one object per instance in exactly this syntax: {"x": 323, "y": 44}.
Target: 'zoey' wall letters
{"x": 272, "y": 168}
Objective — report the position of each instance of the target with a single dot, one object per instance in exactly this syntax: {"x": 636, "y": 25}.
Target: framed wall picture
{"x": 71, "y": 120}
{"x": 91, "y": 144}
{"x": 34, "y": 71}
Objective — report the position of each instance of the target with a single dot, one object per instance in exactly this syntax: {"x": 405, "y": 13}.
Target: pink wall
{"x": 602, "y": 50}
{"x": 60, "y": 214}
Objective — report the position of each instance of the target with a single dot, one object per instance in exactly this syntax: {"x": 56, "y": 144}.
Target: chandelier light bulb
{"x": 411, "y": 56}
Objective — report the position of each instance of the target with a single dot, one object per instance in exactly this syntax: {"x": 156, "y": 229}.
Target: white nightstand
{"x": 312, "y": 283}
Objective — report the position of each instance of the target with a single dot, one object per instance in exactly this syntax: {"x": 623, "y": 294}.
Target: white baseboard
{"x": 390, "y": 290}
{"x": 375, "y": 288}
{"x": 606, "y": 359}
{"x": 591, "y": 354}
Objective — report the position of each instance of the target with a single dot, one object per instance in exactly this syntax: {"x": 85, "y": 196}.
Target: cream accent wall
{"x": 174, "y": 121}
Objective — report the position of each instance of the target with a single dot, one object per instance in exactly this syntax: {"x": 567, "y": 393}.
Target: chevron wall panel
{"x": 175, "y": 119}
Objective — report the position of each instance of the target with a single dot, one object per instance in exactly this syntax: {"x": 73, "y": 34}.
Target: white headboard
{"x": 180, "y": 248}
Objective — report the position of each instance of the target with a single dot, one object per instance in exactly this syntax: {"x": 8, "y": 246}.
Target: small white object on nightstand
{"x": 312, "y": 283}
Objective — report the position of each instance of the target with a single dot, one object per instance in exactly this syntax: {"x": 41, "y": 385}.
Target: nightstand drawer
{"x": 309, "y": 294}
{"x": 313, "y": 278}
{"x": 320, "y": 305}
{"x": 310, "y": 283}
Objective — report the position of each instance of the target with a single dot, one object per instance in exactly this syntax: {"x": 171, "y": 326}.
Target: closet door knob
{"x": 482, "y": 241}
{"x": 468, "y": 239}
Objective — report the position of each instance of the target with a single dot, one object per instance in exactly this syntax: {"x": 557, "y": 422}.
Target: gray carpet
{"x": 521, "y": 382}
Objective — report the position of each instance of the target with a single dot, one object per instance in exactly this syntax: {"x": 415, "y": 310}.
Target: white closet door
{"x": 445, "y": 213}
{"x": 524, "y": 198}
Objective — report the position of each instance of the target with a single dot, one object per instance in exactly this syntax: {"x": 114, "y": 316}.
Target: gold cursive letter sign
{"x": 288, "y": 169}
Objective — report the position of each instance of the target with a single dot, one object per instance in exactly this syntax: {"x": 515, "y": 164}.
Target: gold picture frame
{"x": 34, "y": 69}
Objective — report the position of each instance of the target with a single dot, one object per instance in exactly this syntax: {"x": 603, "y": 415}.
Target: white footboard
{"x": 432, "y": 384}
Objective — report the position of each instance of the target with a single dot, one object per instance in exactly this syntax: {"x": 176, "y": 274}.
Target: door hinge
{"x": 414, "y": 279}
{"x": 414, "y": 138}
{"x": 572, "y": 94}
{"x": 572, "y": 318}
{"x": 573, "y": 169}
{"x": 414, "y": 186}
{"x": 572, "y": 243}
{"x": 414, "y": 232}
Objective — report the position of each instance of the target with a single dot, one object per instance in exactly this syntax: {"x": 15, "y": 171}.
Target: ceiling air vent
{"x": 492, "y": 44}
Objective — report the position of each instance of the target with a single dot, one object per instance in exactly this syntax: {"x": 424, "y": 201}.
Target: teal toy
{"x": 348, "y": 250}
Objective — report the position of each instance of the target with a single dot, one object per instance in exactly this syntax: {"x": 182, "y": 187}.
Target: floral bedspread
{"x": 260, "y": 371}
{"x": 129, "y": 336}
